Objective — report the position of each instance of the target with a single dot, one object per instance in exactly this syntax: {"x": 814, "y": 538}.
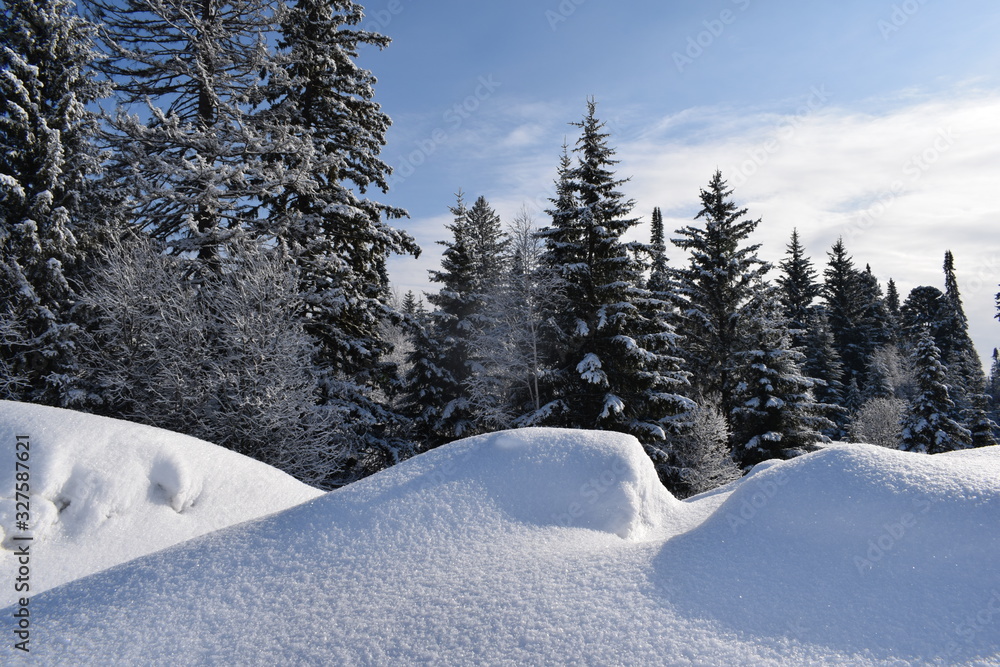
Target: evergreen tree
{"x": 325, "y": 135}
{"x": 965, "y": 369}
{"x": 412, "y": 306}
{"x": 875, "y": 327}
{"x": 48, "y": 161}
{"x": 443, "y": 359}
{"x": 922, "y": 313}
{"x": 507, "y": 345}
{"x": 843, "y": 309}
{"x": 716, "y": 293}
{"x": 774, "y": 410}
{"x": 930, "y": 423}
{"x": 799, "y": 288}
{"x": 606, "y": 369}
{"x": 822, "y": 363}
{"x": 892, "y": 306}
{"x": 659, "y": 275}
{"x": 858, "y": 316}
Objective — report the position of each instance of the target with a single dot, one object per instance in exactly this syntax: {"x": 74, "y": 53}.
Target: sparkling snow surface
{"x": 547, "y": 546}
{"x": 104, "y": 491}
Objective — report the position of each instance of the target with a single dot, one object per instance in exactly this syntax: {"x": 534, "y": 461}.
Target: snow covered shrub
{"x": 701, "y": 453}
{"x": 10, "y": 338}
{"x": 221, "y": 356}
{"x": 877, "y": 422}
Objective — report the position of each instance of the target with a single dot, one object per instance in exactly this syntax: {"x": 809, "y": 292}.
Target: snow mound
{"x": 855, "y": 546}
{"x": 598, "y": 480}
{"x": 545, "y": 546}
{"x": 103, "y": 491}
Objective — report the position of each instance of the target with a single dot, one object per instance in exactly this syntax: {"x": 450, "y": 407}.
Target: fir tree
{"x": 774, "y": 410}
{"x": 659, "y": 275}
{"x": 799, "y": 288}
{"x": 607, "y": 369}
{"x": 930, "y": 423}
{"x": 325, "y": 135}
{"x": 47, "y": 166}
{"x": 412, "y": 306}
{"x": 507, "y": 345}
{"x": 716, "y": 291}
{"x": 965, "y": 369}
{"x": 892, "y": 306}
{"x": 822, "y": 363}
{"x": 857, "y": 313}
{"x": 922, "y": 313}
{"x": 443, "y": 359}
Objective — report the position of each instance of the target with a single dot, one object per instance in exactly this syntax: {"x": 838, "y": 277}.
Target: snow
{"x": 549, "y": 546}
{"x": 104, "y": 491}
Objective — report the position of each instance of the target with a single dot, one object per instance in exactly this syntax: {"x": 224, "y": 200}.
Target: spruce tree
{"x": 716, "y": 292}
{"x": 799, "y": 288}
{"x": 435, "y": 396}
{"x": 924, "y": 312}
{"x": 822, "y": 363}
{"x": 325, "y": 132}
{"x": 659, "y": 276}
{"x": 930, "y": 424}
{"x": 892, "y": 305}
{"x": 505, "y": 384}
{"x": 857, "y": 313}
{"x": 607, "y": 369}
{"x": 443, "y": 359}
{"x": 775, "y": 412}
{"x": 48, "y": 161}
{"x": 965, "y": 369}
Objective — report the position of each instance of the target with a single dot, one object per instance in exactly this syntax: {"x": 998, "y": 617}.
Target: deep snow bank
{"x": 544, "y": 546}
{"x": 857, "y": 547}
{"x": 104, "y": 491}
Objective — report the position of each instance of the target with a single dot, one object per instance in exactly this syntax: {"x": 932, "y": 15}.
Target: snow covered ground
{"x": 546, "y": 546}
{"x": 104, "y": 491}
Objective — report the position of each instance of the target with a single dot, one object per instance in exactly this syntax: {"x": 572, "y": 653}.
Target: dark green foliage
{"x": 799, "y": 289}
{"x": 47, "y": 166}
{"x": 715, "y": 292}
{"x": 442, "y": 360}
{"x": 610, "y": 359}
{"x": 774, "y": 412}
{"x": 324, "y": 134}
{"x": 931, "y": 423}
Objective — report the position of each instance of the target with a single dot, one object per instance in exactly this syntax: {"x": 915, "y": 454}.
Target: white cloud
{"x": 902, "y": 179}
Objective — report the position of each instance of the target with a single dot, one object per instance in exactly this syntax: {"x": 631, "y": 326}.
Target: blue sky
{"x": 878, "y": 121}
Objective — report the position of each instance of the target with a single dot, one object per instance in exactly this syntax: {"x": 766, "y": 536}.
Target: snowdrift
{"x": 104, "y": 491}
{"x": 546, "y": 546}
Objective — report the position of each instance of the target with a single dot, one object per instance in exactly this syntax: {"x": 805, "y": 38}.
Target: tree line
{"x": 188, "y": 241}
{"x": 710, "y": 364}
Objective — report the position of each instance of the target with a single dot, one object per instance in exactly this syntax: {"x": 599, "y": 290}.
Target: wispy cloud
{"x": 902, "y": 178}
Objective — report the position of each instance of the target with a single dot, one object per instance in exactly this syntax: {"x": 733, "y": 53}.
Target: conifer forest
{"x": 192, "y": 237}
